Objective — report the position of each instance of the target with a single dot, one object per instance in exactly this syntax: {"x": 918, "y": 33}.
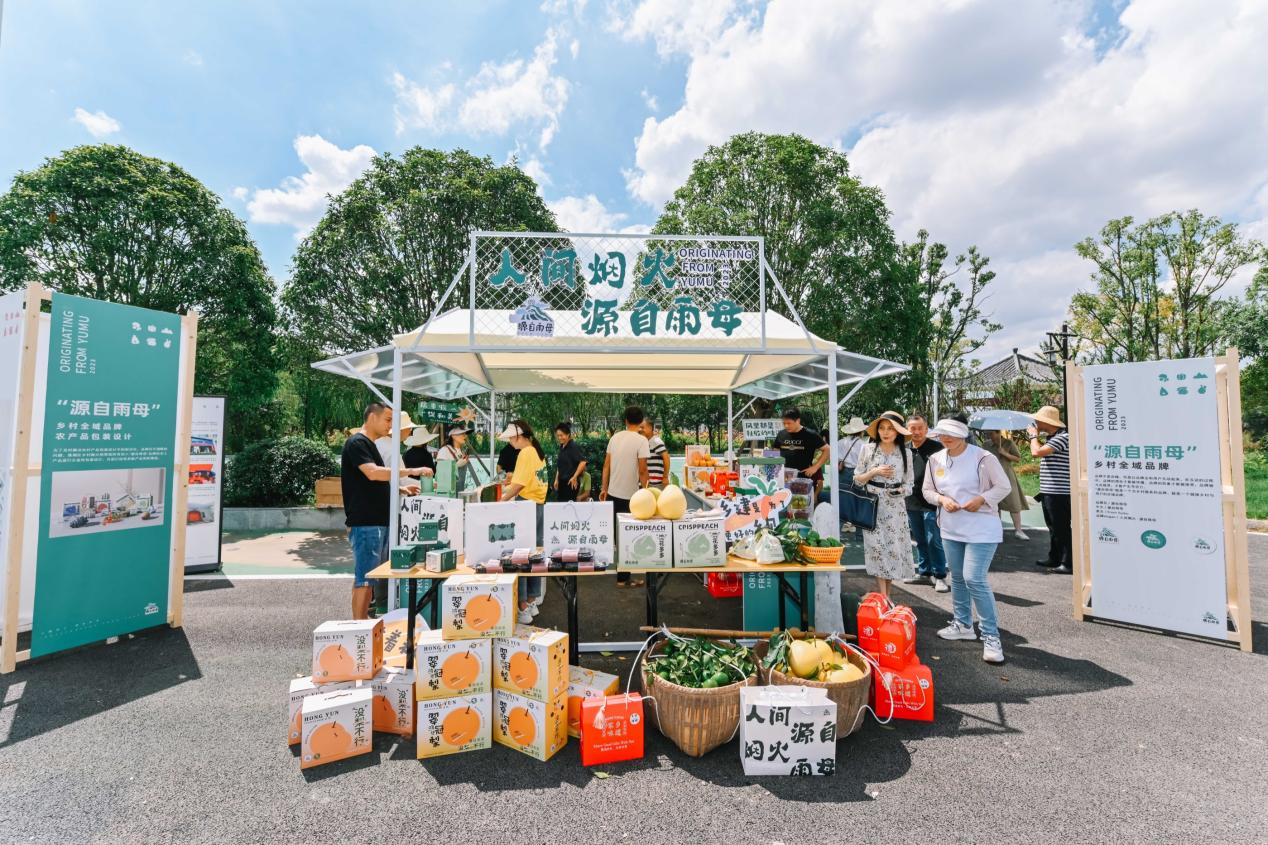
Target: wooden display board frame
{"x": 26, "y": 465}
{"x": 1232, "y": 496}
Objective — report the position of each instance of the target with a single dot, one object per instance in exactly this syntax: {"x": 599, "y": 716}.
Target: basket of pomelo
{"x": 696, "y": 685}
{"x": 814, "y": 662}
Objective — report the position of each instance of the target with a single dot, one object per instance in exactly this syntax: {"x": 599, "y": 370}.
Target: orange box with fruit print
{"x": 335, "y": 726}
{"x": 583, "y": 684}
{"x": 348, "y": 650}
{"x": 476, "y": 606}
{"x": 536, "y": 728}
{"x": 454, "y": 725}
{"x": 451, "y": 667}
{"x": 301, "y": 688}
{"x": 394, "y": 701}
{"x": 533, "y": 663}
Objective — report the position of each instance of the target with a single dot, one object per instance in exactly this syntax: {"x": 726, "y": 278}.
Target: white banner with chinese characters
{"x": 573, "y": 525}
{"x": 1156, "y": 526}
{"x": 761, "y": 429}
{"x": 443, "y": 509}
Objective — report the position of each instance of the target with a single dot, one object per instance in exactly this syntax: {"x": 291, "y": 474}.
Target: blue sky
{"x": 1021, "y": 126}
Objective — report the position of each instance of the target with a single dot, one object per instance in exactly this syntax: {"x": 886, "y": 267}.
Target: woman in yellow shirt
{"x": 528, "y": 484}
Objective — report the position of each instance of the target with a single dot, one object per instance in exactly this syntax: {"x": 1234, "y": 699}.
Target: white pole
{"x": 493, "y": 430}
{"x": 394, "y": 518}
{"x": 828, "y": 615}
{"x": 830, "y": 478}
{"x": 730, "y": 435}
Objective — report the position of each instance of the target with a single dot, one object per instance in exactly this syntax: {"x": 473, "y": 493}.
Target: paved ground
{"x": 1091, "y": 733}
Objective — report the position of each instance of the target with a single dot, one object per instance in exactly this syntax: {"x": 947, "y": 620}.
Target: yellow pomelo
{"x": 826, "y": 654}
{"x": 643, "y": 505}
{"x": 803, "y": 659}
{"x": 672, "y": 504}
{"x": 848, "y": 672}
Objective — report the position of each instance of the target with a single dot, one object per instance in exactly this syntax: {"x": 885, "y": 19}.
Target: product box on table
{"x": 347, "y": 650}
{"x": 475, "y": 606}
{"x": 428, "y": 529}
{"x": 533, "y": 663}
{"x": 788, "y": 730}
{"x": 300, "y": 689}
{"x": 446, "y": 668}
{"x": 394, "y": 701}
{"x": 402, "y": 557}
{"x": 335, "y": 726}
{"x": 536, "y": 728}
{"x": 700, "y": 539}
{"x": 611, "y": 729}
{"x": 644, "y": 543}
{"x": 441, "y": 560}
{"x": 422, "y": 548}
{"x": 907, "y": 693}
{"x": 454, "y": 725}
{"x": 583, "y": 684}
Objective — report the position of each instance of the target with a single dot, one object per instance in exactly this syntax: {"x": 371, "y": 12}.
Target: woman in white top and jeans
{"x": 967, "y": 483}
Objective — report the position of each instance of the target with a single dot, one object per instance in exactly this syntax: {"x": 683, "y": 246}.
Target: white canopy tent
{"x": 466, "y": 351}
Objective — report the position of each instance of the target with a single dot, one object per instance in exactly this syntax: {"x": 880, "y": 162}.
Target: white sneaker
{"x": 534, "y": 609}
{"x": 526, "y": 615}
{"x": 940, "y": 585}
{"x": 956, "y": 631}
{"x": 1021, "y": 535}
{"x": 992, "y": 650}
{"x": 918, "y": 579}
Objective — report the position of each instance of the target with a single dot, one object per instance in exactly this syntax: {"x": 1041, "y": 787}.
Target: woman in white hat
{"x": 418, "y": 455}
{"x": 885, "y": 468}
{"x": 455, "y": 448}
{"x": 967, "y": 483}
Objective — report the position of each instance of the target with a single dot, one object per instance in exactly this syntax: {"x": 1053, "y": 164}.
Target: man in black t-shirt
{"x": 922, "y": 517}
{"x": 801, "y": 448}
{"x": 570, "y": 465}
{"x": 367, "y": 500}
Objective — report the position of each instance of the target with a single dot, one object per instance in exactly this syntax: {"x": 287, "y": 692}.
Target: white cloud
{"x": 1004, "y": 125}
{"x": 98, "y": 123}
{"x": 589, "y": 214}
{"x": 193, "y": 58}
{"x": 649, "y": 100}
{"x": 574, "y": 47}
{"x": 496, "y": 99}
{"x": 241, "y": 193}
{"x": 300, "y": 201}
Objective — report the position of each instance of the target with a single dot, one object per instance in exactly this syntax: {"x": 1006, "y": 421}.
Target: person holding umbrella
{"x": 1001, "y": 445}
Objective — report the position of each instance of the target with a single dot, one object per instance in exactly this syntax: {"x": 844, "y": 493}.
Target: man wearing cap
{"x": 367, "y": 500}
{"x": 931, "y": 561}
{"x": 1054, "y": 485}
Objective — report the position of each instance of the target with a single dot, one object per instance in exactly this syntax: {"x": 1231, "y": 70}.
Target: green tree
{"x": 827, "y": 239}
{"x": 1157, "y": 285}
{"x": 109, "y": 223}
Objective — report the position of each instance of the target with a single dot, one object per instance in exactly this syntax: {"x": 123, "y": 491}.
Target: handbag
{"x": 858, "y": 507}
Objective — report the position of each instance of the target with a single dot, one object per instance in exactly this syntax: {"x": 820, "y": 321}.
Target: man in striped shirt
{"x": 658, "y": 463}
{"x": 1054, "y": 485}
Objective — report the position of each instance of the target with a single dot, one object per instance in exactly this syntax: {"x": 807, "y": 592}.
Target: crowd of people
{"x": 938, "y": 494}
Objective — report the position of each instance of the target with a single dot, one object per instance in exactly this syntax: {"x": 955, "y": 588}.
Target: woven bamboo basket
{"x": 696, "y": 720}
{"x": 822, "y": 554}
{"x": 851, "y": 697}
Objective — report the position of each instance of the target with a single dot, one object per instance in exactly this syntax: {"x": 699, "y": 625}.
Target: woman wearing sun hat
{"x": 1054, "y": 485}
{"x": 417, "y": 454}
{"x": 966, "y": 483}
{"x": 885, "y": 468}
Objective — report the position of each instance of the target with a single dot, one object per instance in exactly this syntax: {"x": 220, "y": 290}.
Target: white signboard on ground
{"x": 1156, "y": 526}
{"x": 206, "y": 465}
{"x": 761, "y": 429}
{"x": 580, "y": 525}
{"x": 445, "y": 509}
{"x": 495, "y": 527}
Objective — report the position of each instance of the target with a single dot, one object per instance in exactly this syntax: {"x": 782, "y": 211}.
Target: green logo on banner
{"x": 1153, "y": 539}
{"x": 105, "y": 525}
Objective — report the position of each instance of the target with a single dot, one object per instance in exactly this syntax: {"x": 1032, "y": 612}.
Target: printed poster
{"x": 109, "y": 433}
{"x": 206, "y": 462}
{"x": 1154, "y": 496}
{"x": 444, "y": 509}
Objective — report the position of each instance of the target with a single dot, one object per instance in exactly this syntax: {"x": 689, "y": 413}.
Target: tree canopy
{"x": 110, "y": 223}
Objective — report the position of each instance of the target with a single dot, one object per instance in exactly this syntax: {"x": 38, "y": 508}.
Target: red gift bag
{"x": 906, "y": 693}
{"x": 871, "y": 613}
{"x": 611, "y": 729}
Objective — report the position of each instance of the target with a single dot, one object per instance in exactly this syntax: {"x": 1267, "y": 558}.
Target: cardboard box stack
{"x": 530, "y": 697}
{"x": 331, "y": 712}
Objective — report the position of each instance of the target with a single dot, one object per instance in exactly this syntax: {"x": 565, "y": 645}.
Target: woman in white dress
{"x": 885, "y": 468}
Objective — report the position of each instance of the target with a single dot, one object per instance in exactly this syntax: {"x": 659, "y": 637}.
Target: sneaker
{"x": 919, "y": 579}
{"x": 1021, "y": 535}
{"x": 526, "y": 616}
{"x": 940, "y": 585}
{"x": 992, "y": 650}
{"x": 1062, "y": 570}
{"x": 956, "y": 631}
{"x": 534, "y": 609}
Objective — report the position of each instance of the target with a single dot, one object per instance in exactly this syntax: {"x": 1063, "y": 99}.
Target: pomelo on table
{"x": 643, "y": 505}
{"x": 672, "y": 504}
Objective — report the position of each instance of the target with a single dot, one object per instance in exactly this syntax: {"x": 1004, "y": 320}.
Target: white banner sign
{"x": 11, "y": 312}
{"x": 1156, "y": 518}
{"x": 573, "y": 525}
{"x": 761, "y": 429}
{"x": 206, "y": 460}
{"x": 495, "y": 527}
{"x": 445, "y": 509}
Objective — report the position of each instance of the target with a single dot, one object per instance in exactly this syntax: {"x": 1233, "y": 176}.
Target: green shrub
{"x": 277, "y": 473}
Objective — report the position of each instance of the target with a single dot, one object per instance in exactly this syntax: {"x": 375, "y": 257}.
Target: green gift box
{"x": 422, "y": 547}
{"x": 402, "y": 557}
{"x": 428, "y": 529}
